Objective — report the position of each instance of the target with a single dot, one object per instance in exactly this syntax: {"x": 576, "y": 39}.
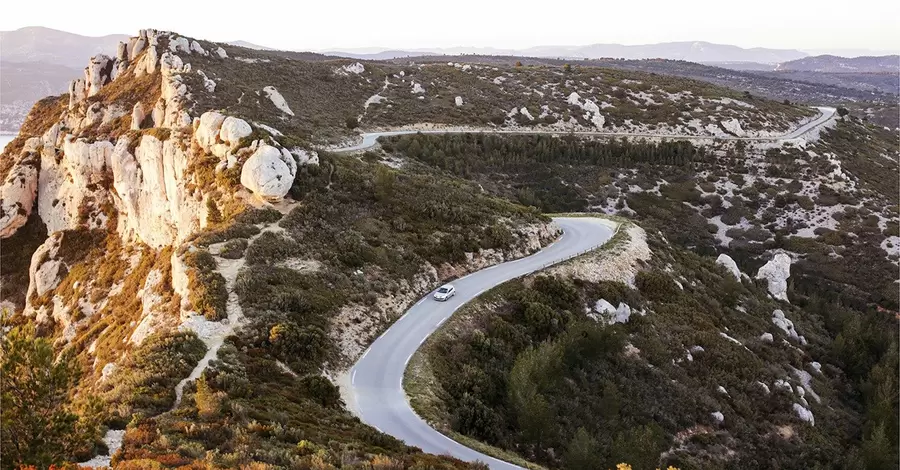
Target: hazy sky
{"x": 317, "y": 25}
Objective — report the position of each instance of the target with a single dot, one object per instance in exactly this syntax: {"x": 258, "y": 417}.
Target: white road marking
{"x": 442, "y": 321}
{"x": 353, "y": 378}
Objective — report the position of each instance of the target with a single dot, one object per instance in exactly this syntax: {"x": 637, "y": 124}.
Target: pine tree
{"x": 38, "y": 424}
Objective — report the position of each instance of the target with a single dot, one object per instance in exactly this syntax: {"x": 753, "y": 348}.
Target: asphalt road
{"x": 376, "y": 381}
{"x": 370, "y": 139}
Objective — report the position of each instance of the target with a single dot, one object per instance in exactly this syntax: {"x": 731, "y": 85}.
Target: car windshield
{"x": 443, "y": 290}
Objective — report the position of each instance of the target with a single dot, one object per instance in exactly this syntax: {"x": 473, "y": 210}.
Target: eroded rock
{"x": 776, "y": 272}
{"x": 267, "y": 174}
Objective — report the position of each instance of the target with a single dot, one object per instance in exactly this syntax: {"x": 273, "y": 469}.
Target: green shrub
{"x": 656, "y": 285}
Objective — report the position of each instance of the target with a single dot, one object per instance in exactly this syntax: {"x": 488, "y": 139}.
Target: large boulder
{"x": 267, "y": 174}
{"x": 233, "y": 130}
{"x": 206, "y": 132}
{"x": 776, "y": 272}
{"x": 17, "y": 195}
{"x": 728, "y": 263}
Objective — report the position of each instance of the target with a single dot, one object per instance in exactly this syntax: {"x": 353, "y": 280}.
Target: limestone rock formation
{"x": 729, "y": 264}
{"x": 776, "y": 272}
{"x": 267, "y": 174}
{"x": 18, "y": 192}
{"x": 137, "y": 116}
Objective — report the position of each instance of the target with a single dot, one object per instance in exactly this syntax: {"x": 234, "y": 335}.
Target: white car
{"x": 444, "y": 292}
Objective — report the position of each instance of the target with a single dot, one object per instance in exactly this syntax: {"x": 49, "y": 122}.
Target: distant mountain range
{"x": 690, "y": 51}
{"x": 39, "y": 44}
{"x": 38, "y": 61}
{"x": 835, "y": 64}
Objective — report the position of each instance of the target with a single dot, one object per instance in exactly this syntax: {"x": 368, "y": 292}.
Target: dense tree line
{"x": 467, "y": 154}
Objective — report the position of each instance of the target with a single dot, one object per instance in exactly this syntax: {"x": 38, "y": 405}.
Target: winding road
{"x": 370, "y": 139}
{"x": 376, "y": 392}
{"x": 376, "y": 381}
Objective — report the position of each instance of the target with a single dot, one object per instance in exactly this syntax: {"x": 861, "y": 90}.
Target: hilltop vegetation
{"x": 688, "y": 380}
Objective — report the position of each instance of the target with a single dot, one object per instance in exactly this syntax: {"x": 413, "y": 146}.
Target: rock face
{"x": 277, "y": 99}
{"x": 729, "y": 264}
{"x": 18, "y": 192}
{"x": 776, "y": 272}
{"x": 137, "y": 116}
{"x": 267, "y": 174}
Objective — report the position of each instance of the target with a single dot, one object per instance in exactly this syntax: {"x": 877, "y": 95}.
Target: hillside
{"x": 647, "y": 353}
{"x": 834, "y": 64}
{"x": 857, "y": 92}
{"x": 195, "y": 270}
{"x": 178, "y": 256}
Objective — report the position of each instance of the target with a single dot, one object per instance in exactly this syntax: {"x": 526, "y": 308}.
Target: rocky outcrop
{"x": 44, "y": 270}
{"x": 459, "y": 100}
{"x": 776, "y": 272}
{"x": 18, "y": 192}
{"x": 269, "y": 172}
{"x": 137, "y": 116}
{"x": 151, "y": 194}
{"x": 278, "y": 100}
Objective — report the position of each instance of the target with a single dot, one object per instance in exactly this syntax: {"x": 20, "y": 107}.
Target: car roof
{"x": 448, "y": 286}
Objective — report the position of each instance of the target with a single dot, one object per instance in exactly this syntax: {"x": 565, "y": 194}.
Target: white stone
{"x": 207, "y": 131}
{"x": 697, "y": 349}
{"x": 816, "y": 367}
{"x": 355, "y": 68}
{"x": 459, "y": 101}
{"x": 574, "y": 98}
{"x": 603, "y": 306}
{"x": 233, "y": 130}
{"x": 733, "y": 126}
{"x": 417, "y": 88}
{"x": 524, "y": 112}
{"x": 729, "y": 264}
{"x": 623, "y": 313}
{"x": 782, "y": 384}
{"x": 108, "y": 370}
{"x": 137, "y": 116}
{"x": 779, "y": 320}
{"x": 766, "y": 338}
{"x": 17, "y": 195}
{"x": 718, "y": 416}
{"x": 722, "y": 390}
{"x": 804, "y": 414}
{"x": 208, "y": 83}
{"x": 221, "y": 53}
{"x": 277, "y": 99}
{"x": 266, "y": 173}
{"x": 776, "y": 272}
{"x": 764, "y": 387}
{"x": 196, "y": 47}
{"x": 179, "y": 44}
